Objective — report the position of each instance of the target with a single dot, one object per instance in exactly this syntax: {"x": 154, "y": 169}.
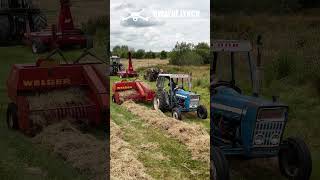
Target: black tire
{"x": 113, "y": 99}
{"x": 163, "y": 98}
{"x": 89, "y": 43}
{"x": 202, "y": 112}
{"x": 39, "y": 22}
{"x": 295, "y": 159}
{"x": 219, "y": 166}
{"x": 12, "y": 116}
{"x": 4, "y": 28}
{"x": 37, "y": 46}
{"x": 176, "y": 113}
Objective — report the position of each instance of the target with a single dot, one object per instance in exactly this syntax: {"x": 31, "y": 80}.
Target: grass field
{"x": 170, "y": 159}
{"x": 20, "y": 158}
{"x": 291, "y": 68}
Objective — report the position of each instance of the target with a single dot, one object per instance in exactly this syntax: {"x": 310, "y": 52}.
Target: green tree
{"x": 140, "y": 54}
{"x": 163, "y": 55}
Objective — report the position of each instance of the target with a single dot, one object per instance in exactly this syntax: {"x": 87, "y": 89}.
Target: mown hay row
{"x": 83, "y": 151}
{"x": 124, "y": 165}
{"x": 193, "y": 136}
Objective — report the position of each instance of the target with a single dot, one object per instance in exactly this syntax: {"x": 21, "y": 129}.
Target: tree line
{"x": 182, "y": 54}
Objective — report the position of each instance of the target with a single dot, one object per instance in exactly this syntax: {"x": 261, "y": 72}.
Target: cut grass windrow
{"x": 124, "y": 165}
{"x": 193, "y": 136}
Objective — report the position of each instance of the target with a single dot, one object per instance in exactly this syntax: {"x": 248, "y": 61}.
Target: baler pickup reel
{"x": 50, "y": 91}
{"x": 131, "y": 90}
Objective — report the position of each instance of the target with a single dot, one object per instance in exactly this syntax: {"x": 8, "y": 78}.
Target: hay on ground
{"x": 193, "y": 136}
{"x": 124, "y": 165}
{"x": 83, "y": 151}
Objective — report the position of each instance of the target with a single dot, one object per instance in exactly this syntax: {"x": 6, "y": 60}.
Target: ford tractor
{"x": 174, "y": 94}
{"x": 249, "y": 126}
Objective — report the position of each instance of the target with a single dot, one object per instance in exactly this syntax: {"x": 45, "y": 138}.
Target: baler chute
{"x": 65, "y": 34}
{"x": 131, "y": 90}
{"x": 130, "y": 72}
{"x": 50, "y": 91}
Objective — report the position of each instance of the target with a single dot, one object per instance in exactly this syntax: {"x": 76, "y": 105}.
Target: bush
{"x": 188, "y": 54}
{"x": 296, "y": 69}
{"x": 163, "y": 55}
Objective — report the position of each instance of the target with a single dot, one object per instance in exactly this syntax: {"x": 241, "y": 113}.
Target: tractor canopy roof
{"x": 179, "y": 76}
{"x": 231, "y": 46}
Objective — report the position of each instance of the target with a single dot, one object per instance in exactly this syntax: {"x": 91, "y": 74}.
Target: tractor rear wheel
{"x": 219, "y": 168}
{"x": 12, "y": 116}
{"x": 202, "y": 112}
{"x": 162, "y": 101}
{"x": 38, "y": 47}
{"x": 295, "y": 159}
{"x": 176, "y": 113}
{"x": 4, "y": 28}
{"x": 39, "y": 22}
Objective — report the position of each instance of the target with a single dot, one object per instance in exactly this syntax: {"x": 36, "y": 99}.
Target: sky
{"x": 158, "y": 25}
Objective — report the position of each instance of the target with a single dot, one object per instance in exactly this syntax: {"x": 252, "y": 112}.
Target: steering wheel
{"x": 227, "y": 84}
{"x": 178, "y": 87}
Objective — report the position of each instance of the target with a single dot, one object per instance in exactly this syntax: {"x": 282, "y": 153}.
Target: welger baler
{"x": 28, "y": 80}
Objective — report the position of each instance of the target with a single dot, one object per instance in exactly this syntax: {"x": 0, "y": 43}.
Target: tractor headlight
{"x": 259, "y": 139}
{"x": 275, "y": 139}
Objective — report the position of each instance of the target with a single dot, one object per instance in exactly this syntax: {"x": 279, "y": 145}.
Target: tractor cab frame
{"x": 178, "y": 98}
{"x": 176, "y": 81}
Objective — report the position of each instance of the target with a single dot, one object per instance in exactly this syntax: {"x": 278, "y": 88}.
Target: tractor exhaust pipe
{"x": 130, "y": 62}
{"x": 259, "y": 70}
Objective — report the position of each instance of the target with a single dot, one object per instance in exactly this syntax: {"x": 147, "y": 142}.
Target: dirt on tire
{"x": 124, "y": 164}
{"x": 83, "y": 151}
{"x": 195, "y": 137}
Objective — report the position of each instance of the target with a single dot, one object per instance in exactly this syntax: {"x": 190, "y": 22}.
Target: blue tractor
{"x": 249, "y": 126}
{"x": 174, "y": 94}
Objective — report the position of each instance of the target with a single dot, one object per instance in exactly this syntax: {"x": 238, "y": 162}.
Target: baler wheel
{"x": 176, "y": 113}
{"x": 12, "y": 116}
{"x": 202, "y": 112}
{"x": 38, "y": 47}
{"x": 114, "y": 99}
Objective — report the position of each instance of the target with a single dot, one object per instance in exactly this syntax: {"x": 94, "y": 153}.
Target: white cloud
{"x": 133, "y": 24}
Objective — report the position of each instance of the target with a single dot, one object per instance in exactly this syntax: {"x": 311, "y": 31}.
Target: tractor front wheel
{"x": 295, "y": 159}
{"x": 176, "y": 113}
{"x": 202, "y": 112}
{"x": 12, "y": 116}
{"x": 219, "y": 168}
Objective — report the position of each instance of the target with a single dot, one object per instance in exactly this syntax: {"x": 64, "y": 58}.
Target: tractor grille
{"x": 194, "y": 101}
{"x": 269, "y": 127}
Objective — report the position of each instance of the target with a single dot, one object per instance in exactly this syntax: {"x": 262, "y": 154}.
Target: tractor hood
{"x": 230, "y": 97}
{"x": 184, "y": 94}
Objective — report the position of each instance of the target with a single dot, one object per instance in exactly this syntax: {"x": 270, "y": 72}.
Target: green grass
{"x": 169, "y": 159}
{"x": 19, "y": 156}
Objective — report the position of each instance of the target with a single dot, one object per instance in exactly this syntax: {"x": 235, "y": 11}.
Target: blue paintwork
{"x": 249, "y": 106}
{"x": 183, "y": 100}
